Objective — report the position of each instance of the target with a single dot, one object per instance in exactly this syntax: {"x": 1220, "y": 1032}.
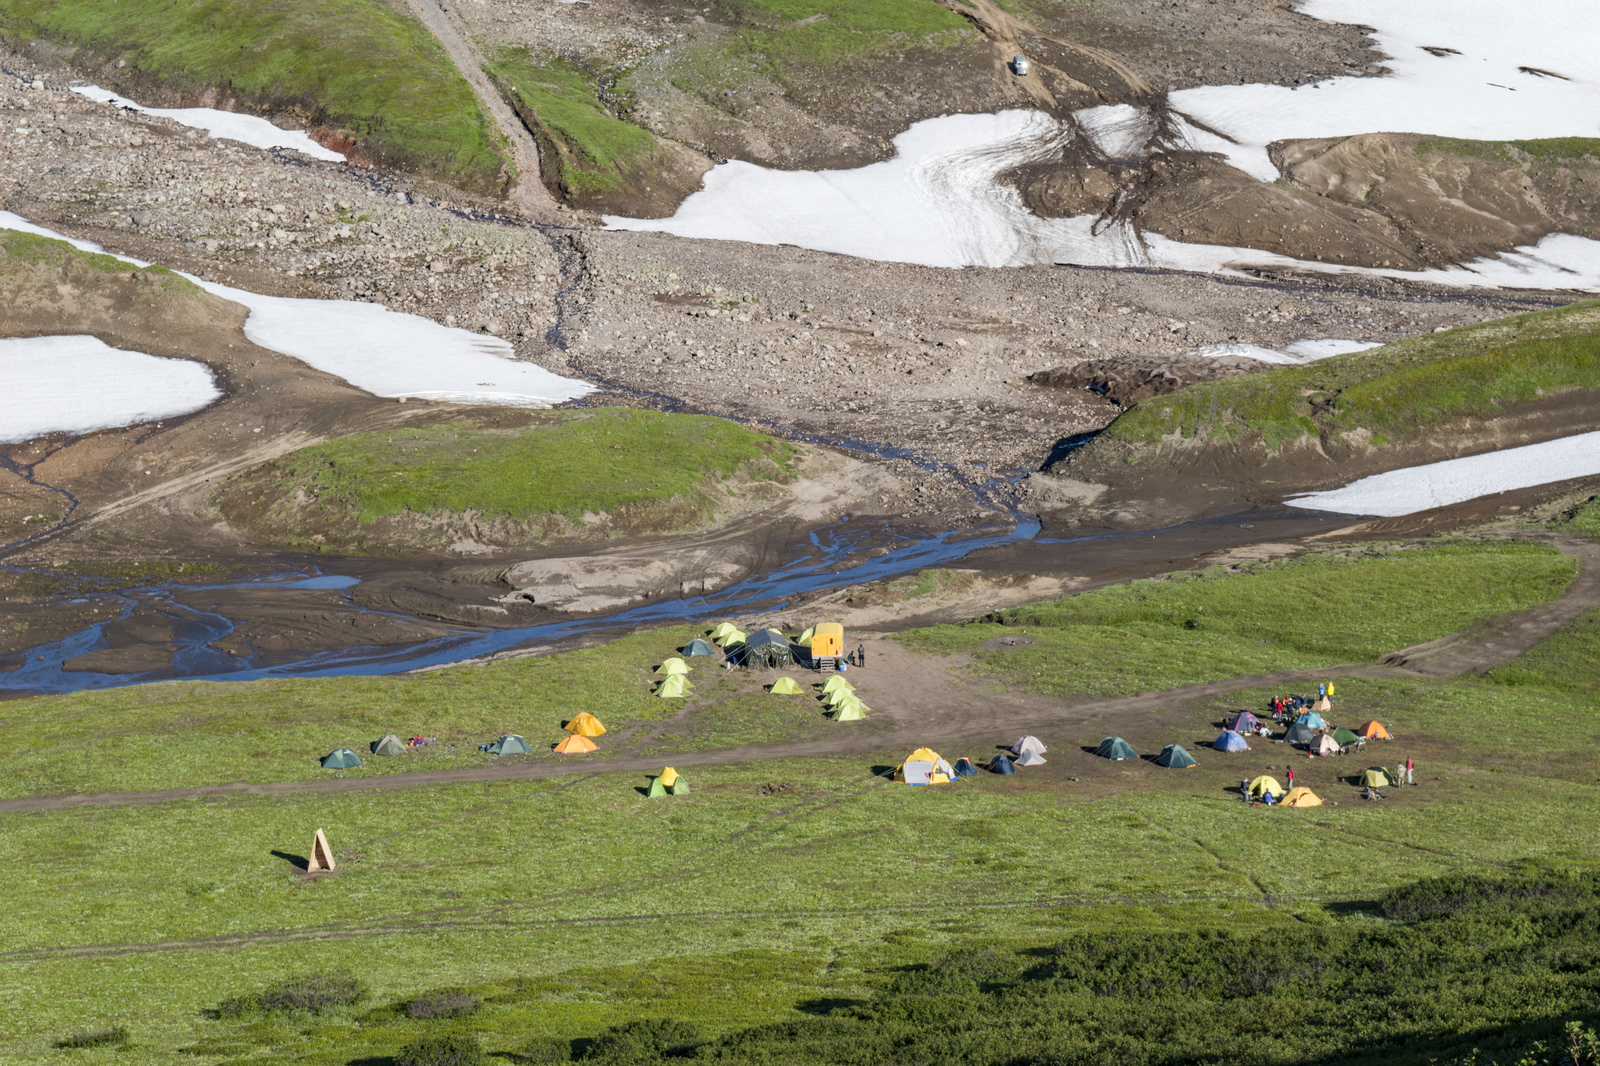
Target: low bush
{"x": 458, "y": 1049}
{"x": 313, "y": 993}
{"x": 542, "y": 1049}
{"x": 645, "y": 1041}
{"x": 116, "y": 1036}
{"x": 449, "y": 1003}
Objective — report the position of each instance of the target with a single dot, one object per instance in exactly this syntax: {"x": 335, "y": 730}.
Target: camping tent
{"x": 924, "y": 767}
{"x": 389, "y": 745}
{"x": 656, "y": 789}
{"x": 576, "y": 745}
{"x": 1377, "y": 777}
{"x": 1345, "y": 736}
{"x": 343, "y": 759}
{"x": 722, "y": 630}
{"x": 786, "y": 686}
{"x": 1312, "y": 719}
{"x": 1029, "y": 757}
{"x": 1228, "y": 740}
{"x": 587, "y": 725}
{"x": 838, "y": 696}
{"x": 1243, "y": 722}
{"x": 1301, "y": 797}
{"x": 964, "y": 768}
{"x": 730, "y": 638}
{"x": 673, "y": 665}
{"x": 510, "y": 744}
{"x": 835, "y": 683}
{"x": 668, "y": 776}
{"x": 680, "y": 787}
{"x": 804, "y": 639}
{"x": 1001, "y": 765}
{"x": 767, "y": 647}
{"x": 1324, "y": 705}
{"x": 1300, "y": 733}
{"x": 850, "y": 711}
{"x": 1324, "y": 745}
{"x": 696, "y": 647}
{"x": 1265, "y": 784}
{"x": 1115, "y": 748}
{"x": 1374, "y": 731}
{"x": 674, "y": 687}
{"x": 1029, "y": 742}
{"x": 1175, "y": 757}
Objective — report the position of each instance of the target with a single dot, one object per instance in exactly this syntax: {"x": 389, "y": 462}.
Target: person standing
{"x": 1411, "y": 767}
{"x": 1400, "y": 774}
{"x": 1244, "y": 789}
{"x": 1290, "y": 774}
{"x": 861, "y": 655}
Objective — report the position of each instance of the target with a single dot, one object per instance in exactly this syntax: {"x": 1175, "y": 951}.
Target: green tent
{"x": 1345, "y": 736}
{"x": 672, "y": 666}
{"x": 730, "y": 638}
{"x": 838, "y": 696}
{"x": 786, "y": 686}
{"x": 696, "y": 647}
{"x": 1175, "y": 757}
{"x": 680, "y": 787}
{"x": 804, "y": 639}
{"x": 657, "y": 789}
{"x": 835, "y": 683}
{"x": 723, "y": 629}
{"x": 1376, "y": 777}
{"x": 389, "y": 745}
{"x": 510, "y": 744}
{"x": 673, "y": 687}
{"x": 849, "y": 711}
{"x": 1299, "y": 733}
{"x": 1115, "y": 748}
{"x": 343, "y": 759}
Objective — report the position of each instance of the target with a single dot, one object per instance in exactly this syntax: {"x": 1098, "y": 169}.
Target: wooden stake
{"x": 321, "y": 855}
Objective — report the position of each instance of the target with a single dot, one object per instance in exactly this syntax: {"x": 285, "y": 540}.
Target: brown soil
{"x": 1127, "y": 381}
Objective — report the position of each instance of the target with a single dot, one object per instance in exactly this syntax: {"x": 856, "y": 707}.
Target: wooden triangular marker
{"x": 321, "y": 855}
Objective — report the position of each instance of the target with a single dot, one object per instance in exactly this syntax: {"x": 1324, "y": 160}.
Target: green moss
{"x": 350, "y": 64}
{"x": 1400, "y": 389}
{"x": 1551, "y": 148}
{"x": 1561, "y": 147}
{"x": 33, "y": 251}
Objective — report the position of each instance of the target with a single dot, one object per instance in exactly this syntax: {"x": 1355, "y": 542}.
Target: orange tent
{"x": 585, "y": 725}
{"x": 1374, "y": 731}
{"x": 576, "y": 745}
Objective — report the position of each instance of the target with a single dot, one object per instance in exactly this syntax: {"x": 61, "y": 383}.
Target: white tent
{"x": 1029, "y": 743}
{"x": 1029, "y": 757}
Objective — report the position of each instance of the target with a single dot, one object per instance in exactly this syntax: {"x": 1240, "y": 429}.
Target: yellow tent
{"x": 732, "y": 636}
{"x": 577, "y": 745}
{"x": 850, "y": 711}
{"x": 804, "y": 639}
{"x": 673, "y": 665}
{"x": 835, "y": 683}
{"x": 924, "y": 767}
{"x": 838, "y": 696}
{"x": 1302, "y": 797}
{"x": 923, "y": 754}
{"x": 723, "y": 629}
{"x": 785, "y": 686}
{"x": 1264, "y": 784}
{"x": 585, "y": 725}
{"x": 668, "y": 776}
{"x": 673, "y": 687}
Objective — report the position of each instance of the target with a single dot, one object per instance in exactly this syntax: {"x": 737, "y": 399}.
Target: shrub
{"x": 116, "y": 1036}
{"x": 314, "y": 993}
{"x": 458, "y": 1049}
{"x": 643, "y": 1041}
{"x": 448, "y": 1003}
{"x": 543, "y": 1049}
{"x": 1437, "y": 897}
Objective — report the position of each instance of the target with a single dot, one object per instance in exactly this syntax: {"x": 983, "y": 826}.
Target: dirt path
{"x": 529, "y": 193}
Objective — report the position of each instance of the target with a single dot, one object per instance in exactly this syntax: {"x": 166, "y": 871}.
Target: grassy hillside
{"x": 349, "y": 64}
{"x": 1398, "y": 391}
{"x": 648, "y": 471}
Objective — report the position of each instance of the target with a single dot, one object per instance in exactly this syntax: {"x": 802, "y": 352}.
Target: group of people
{"x": 1288, "y": 708}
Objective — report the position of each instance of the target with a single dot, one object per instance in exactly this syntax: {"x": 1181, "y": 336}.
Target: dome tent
{"x": 786, "y": 686}
{"x": 1174, "y": 757}
{"x": 1299, "y": 733}
{"x": 1243, "y": 722}
{"x": 587, "y": 725}
{"x": 1323, "y": 745}
{"x": 673, "y": 687}
{"x": 1312, "y": 719}
{"x": 1228, "y": 740}
{"x": 1376, "y": 777}
{"x": 341, "y": 759}
{"x": 576, "y": 744}
{"x": 964, "y": 768}
{"x": 1029, "y": 757}
{"x": 1264, "y": 784}
{"x": 1116, "y": 749}
{"x": 389, "y": 745}
{"x": 1345, "y": 736}
{"x": 1301, "y": 797}
{"x": 510, "y": 744}
{"x": 696, "y": 647}
{"x": 835, "y": 683}
{"x": 924, "y": 767}
{"x": 850, "y": 711}
{"x": 1374, "y": 731}
{"x": 1027, "y": 743}
{"x": 673, "y": 665}
{"x": 1001, "y": 765}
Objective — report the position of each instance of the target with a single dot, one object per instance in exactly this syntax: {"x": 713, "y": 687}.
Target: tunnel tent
{"x": 1174, "y": 757}
{"x": 656, "y": 789}
{"x": 1001, "y": 765}
{"x": 389, "y": 745}
{"x": 786, "y": 686}
{"x": 576, "y": 745}
{"x": 510, "y": 744}
{"x": 586, "y": 725}
{"x": 1299, "y": 733}
{"x": 1228, "y": 740}
{"x": 673, "y": 665}
{"x": 1323, "y": 745}
{"x": 1301, "y": 796}
{"x": 1376, "y": 777}
{"x": 850, "y": 711}
{"x": 1374, "y": 731}
{"x": 767, "y": 647}
{"x": 1116, "y": 749}
{"x": 672, "y": 688}
{"x": 1029, "y": 743}
{"x": 1345, "y": 736}
{"x": 1243, "y": 722}
{"x": 964, "y": 768}
{"x": 1264, "y": 784}
{"x": 341, "y": 759}
{"x": 1312, "y": 719}
{"x": 696, "y": 647}
{"x": 835, "y": 683}
{"x": 1029, "y": 757}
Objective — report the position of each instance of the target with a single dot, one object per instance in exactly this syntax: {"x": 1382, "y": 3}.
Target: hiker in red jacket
{"x": 1291, "y": 776}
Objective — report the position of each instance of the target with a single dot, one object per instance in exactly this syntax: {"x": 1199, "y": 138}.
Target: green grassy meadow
{"x": 1395, "y": 392}
{"x": 405, "y": 101}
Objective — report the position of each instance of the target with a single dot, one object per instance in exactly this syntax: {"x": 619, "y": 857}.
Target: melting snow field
{"x": 1307, "y": 351}
{"x": 79, "y": 384}
{"x": 251, "y": 130}
{"x": 1419, "y": 488}
{"x": 386, "y": 353}
{"x": 936, "y": 202}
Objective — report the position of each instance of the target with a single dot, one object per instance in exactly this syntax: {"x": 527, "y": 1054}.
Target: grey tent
{"x": 1300, "y": 733}
{"x": 696, "y": 647}
{"x": 767, "y": 647}
{"x": 1175, "y": 757}
{"x": 1115, "y": 748}
{"x": 1029, "y": 757}
{"x": 343, "y": 759}
{"x": 510, "y": 744}
{"x": 1001, "y": 765}
{"x": 389, "y": 745}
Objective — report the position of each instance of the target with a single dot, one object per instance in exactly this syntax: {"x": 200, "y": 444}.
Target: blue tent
{"x": 964, "y": 768}
{"x": 1243, "y": 722}
{"x": 1230, "y": 741}
{"x": 1002, "y": 766}
{"x": 1312, "y": 719}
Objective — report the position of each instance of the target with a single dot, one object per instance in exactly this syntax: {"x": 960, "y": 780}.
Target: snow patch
{"x": 1307, "y": 351}
{"x": 386, "y": 353}
{"x": 1419, "y": 488}
{"x": 78, "y": 384}
{"x": 254, "y": 131}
